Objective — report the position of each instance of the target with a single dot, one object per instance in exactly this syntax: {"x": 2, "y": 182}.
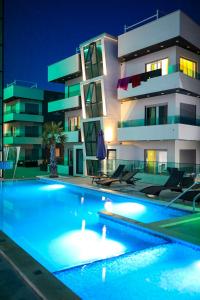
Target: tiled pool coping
{"x": 44, "y": 284}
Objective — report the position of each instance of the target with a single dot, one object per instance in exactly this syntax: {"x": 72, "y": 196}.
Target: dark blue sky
{"x": 41, "y": 32}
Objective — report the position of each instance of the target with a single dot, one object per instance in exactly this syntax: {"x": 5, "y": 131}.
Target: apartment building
{"x": 141, "y": 88}
{"x": 25, "y": 111}
{"x": 1, "y": 79}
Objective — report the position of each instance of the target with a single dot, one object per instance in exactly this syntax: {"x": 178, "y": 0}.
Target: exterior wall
{"x": 135, "y": 150}
{"x": 135, "y": 109}
{"x": 187, "y": 145}
{"x": 165, "y": 28}
{"x": 137, "y": 65}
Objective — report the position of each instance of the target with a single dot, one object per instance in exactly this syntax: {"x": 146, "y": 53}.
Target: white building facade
{"x": 142, "y": 89}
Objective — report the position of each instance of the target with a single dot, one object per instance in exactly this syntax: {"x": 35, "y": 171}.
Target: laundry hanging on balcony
{"x": 137, "y": 79}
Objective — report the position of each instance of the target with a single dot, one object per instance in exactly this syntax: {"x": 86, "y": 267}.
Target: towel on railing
{"x": 136, "y": 79}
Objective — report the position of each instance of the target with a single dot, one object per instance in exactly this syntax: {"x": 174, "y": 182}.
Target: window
{"x": 93, "y": 100}
{"x": 93, "y": 60}
{"x": 91, "y": 130}
{"x": 155, "y": 115}
{"x": 31, "y": 131}
{"x": 162, "y": 114}
{"x": 31, "y": 108}
{"x": 74, "y": 123}
{"x": 111, "y": 154}
{"x": 159, "y": 64}
{"x": 187, "y": 114}
{"x": 150, "y": 115}
{"x": 188, "y": 67}
{"x": 72, "y": 90}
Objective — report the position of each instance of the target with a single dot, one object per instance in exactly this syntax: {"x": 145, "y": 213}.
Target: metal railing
{"x": 29, "y": 84}
{"x": 156, "y": 16}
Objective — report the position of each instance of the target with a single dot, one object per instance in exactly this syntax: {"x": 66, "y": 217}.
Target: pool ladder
{"x": 197, "y": 182}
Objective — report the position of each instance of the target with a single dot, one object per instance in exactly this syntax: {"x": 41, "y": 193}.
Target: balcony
{"x": 164, "y": 31}
{"x": 15, "y": 91}
{"x": 23, "y": 117}
{"x": 65, "y": 69}
{"x": 65, "y": 104}
{"x": 73, "y": 136}
{"x": 176, "y": 128}
{"x": 22, "y": 140}
{"x": 158, "y": 84}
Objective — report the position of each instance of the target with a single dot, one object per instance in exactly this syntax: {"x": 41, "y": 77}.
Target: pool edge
{"x": 39, "y": 279}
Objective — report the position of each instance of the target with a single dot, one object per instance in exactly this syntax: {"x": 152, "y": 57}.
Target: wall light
{"x": 108, "y": 134}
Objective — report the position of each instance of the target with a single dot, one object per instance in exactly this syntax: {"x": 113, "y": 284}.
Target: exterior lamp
{"x": 108, "y": 134}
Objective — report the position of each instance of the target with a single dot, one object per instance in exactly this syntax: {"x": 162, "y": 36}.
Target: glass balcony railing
{"x": 22, "y": 112}
{"x": 153, "y": 167}
{"x": 170, "y": 120}
{"x": 22, "y": 135}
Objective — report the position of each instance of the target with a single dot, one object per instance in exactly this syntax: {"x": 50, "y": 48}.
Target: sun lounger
{"x": 174, "y": 183}
{"x": 128, "y": 178}
{"x": 116, "y": 174}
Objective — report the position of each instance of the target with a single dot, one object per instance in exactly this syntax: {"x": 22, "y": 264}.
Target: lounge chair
{"x": 128, "y": 178}
{"x": 191, "y": 194}
{"x": 174, "y": 183}
{"x": 116, "y": 174}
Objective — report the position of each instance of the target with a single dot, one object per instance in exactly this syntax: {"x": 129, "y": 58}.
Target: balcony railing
{"x": 13, "y": 111}
{"x": 21, "y": 135}
{"x": 170, "y": 120}
{"x": 137, "y": 79}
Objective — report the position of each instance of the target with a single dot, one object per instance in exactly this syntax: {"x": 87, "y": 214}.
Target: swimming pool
{"x": 170, "y": 271}
{"x": 58, "y": 225}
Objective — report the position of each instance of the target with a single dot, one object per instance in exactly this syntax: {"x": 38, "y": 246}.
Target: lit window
{"x": 188, "y": 67}
{"x": 159, "y": 64}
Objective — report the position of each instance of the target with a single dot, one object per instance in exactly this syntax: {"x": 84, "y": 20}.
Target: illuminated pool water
{"x": 59, "y": 224}
{"x": 169, "y": 271}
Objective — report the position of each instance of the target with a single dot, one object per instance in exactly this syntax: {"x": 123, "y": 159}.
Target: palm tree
{"x": 53, "y": 134}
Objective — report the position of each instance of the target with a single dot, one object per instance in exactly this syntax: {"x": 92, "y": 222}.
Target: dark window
{"x": 162, "y": 114}
{"x": 93, "y": 100}
{"x": 187, "y": 114}
{"x": 150, "y": 115}
{"x": 92, "y": 167}
{"x": 93, "y": 60}
{"x": 91, "y": 130}
{"x": 155, "y": 115}
{"x": 32, "y": 131}
{"x": 32, "y": 154}
{"x": 31, "y": 108}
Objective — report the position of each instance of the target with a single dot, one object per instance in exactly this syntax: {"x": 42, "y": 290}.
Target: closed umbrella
{"x": 101, "y": 149}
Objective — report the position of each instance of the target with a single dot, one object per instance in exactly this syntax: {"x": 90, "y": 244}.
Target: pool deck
{"x": 27, "y": 279}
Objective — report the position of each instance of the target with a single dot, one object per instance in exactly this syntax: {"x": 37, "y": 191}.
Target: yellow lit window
{"x": 159, "y": 64}
{"x": 188, "y": 67}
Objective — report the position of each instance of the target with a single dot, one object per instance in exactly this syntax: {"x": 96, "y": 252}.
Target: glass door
{"x": 79, "y": 161}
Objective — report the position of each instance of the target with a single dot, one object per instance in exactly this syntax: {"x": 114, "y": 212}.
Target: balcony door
{"x": 155, "y": 161}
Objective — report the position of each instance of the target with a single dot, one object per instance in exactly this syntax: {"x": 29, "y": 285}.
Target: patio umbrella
{"x": 101, "y": 149}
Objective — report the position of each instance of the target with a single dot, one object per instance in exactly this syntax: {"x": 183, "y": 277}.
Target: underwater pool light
{"x": 51, "y": 187}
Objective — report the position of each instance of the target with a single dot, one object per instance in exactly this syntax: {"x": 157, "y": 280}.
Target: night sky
{"x": 41, "y": 32}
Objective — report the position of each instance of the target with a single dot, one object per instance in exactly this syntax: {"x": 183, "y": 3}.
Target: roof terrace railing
{"x": 156, "y": 16}
{"x": 29, "y": 84}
